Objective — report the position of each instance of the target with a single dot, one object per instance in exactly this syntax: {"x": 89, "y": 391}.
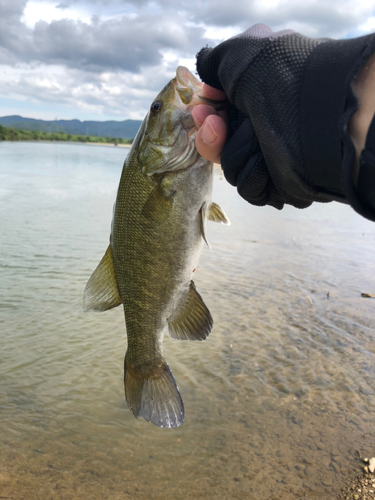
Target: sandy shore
{"x": 360, "y": 487}
{"x": 79, "y": 142}
{"x": 101, "y": 144}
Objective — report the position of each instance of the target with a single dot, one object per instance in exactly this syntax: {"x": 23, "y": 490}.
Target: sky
{"x": 108, "y": 59}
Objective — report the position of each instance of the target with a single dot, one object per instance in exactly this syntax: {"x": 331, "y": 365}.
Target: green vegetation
{"x": 11, "y": 134}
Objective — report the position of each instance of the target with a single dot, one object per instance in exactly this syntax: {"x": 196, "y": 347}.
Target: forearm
{"x": 300, "y": 120}
{"x": 359, "y": 123}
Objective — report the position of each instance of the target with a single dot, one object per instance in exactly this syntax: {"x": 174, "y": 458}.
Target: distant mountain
{"x": 126, "y": 129}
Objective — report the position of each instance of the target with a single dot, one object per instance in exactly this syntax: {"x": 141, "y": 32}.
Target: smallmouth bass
{"x": 157, "y": 235}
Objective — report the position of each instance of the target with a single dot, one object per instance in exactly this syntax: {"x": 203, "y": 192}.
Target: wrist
{"x": 359, "y": 123}
{"x": 328, "y": 102}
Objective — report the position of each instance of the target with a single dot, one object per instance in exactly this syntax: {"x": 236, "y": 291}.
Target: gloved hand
{"x": 291, "y": 99}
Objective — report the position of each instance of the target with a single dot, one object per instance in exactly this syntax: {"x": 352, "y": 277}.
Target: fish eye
{"x": 156, "y": 107}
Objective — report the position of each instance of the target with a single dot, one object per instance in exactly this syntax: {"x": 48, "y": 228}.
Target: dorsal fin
{"x": 101, "y": 292}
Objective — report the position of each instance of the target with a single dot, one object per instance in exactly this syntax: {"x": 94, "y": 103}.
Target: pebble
{"x": 335, "y": 467}
{"x": 360, "y": 487}
{"x": 310, "y": 471}
{"x": 327, "y": 481}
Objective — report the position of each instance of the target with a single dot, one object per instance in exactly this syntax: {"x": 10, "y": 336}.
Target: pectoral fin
{"x": 159, "y": 203}
{"x": 216, "y": 214}
{"x": 101, "y": 292}
{"x": 193, "y": 321}
{"x": 204, "y": 215}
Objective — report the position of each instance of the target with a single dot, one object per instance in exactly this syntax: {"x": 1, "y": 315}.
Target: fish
{"x": 157, "y": 234}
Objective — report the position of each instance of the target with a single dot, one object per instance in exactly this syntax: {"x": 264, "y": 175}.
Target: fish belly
{"x": 156, "y": 245}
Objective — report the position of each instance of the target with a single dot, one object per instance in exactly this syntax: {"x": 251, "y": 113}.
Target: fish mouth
{"x": 187, "y": 88}
{"x": 189, "y": 91}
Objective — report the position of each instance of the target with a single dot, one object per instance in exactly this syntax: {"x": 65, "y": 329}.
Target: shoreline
{"x": 79, "y": 142}
{"x": 101, "y": 144}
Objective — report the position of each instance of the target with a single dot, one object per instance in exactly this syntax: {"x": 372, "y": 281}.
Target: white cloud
{"x": 368, "y": 26}
{"x": 216, "y": 33}
{"x": 38, "y": 10}
{"x": 103, "y": 59}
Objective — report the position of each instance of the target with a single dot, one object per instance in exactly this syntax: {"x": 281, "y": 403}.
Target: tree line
{"x": 11, "y": 134}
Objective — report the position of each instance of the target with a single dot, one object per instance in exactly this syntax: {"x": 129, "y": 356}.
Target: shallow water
{"x": 277, "y": 400}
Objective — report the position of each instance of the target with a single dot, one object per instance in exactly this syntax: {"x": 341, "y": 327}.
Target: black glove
{"x": 292, "y": 94}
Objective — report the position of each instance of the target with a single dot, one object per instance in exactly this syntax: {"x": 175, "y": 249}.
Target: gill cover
{"x": 168, "y": 143}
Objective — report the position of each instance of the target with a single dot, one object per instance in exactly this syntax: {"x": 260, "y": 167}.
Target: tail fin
{"x": 156, "y": 398}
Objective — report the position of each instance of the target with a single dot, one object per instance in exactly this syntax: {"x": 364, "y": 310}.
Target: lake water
{"x": 278, "y": 399}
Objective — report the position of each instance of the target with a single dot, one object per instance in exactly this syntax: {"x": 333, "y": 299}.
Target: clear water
{"x": 277, "y": 400}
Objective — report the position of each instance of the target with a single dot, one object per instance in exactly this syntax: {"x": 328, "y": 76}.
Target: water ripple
{"x": 285, "y": 380}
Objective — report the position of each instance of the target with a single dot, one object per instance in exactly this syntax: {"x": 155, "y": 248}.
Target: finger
{"x": 211, "y": 137}
{"x": 201, "y": 112}
{"x": 212, "y": 93}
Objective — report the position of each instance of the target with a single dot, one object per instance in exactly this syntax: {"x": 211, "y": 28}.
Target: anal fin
{"x": 101, "y": 292}
{"x": 193, "y": 321}
{"x": 155, "y": 398}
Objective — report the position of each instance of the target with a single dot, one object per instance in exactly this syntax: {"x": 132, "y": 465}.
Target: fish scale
{"x": 163, "y": 201}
